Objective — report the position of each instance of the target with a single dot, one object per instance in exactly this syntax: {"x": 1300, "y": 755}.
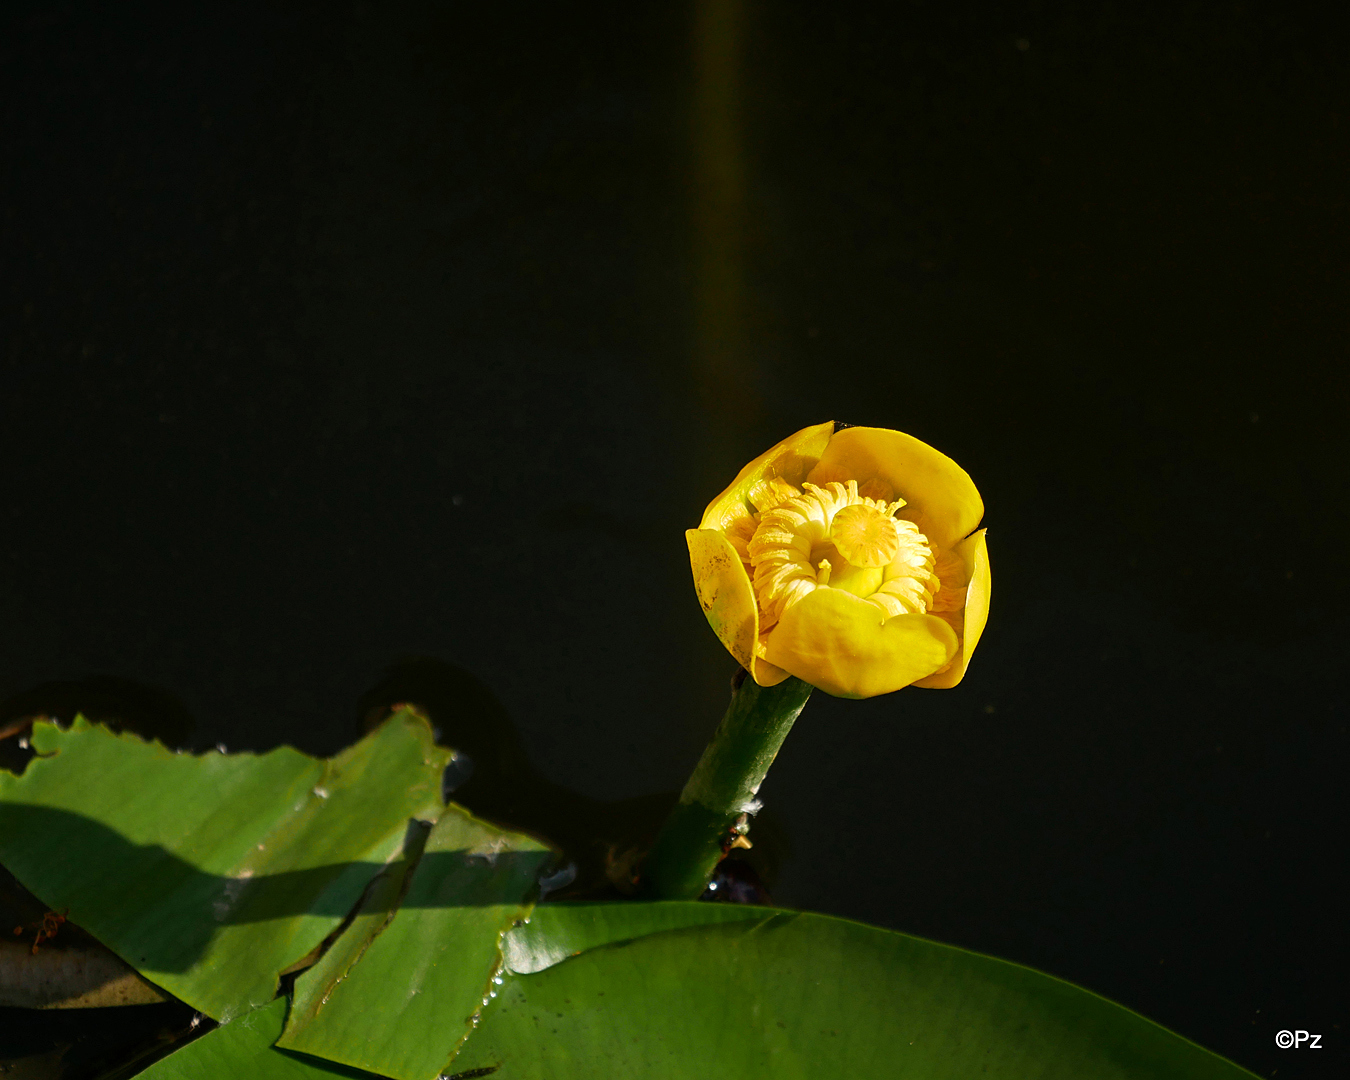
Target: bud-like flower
{"x": 848, "y": 559}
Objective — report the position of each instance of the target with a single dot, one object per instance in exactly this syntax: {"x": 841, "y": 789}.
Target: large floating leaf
{"x": 243, "y": 1048}
{"x": 211, "y": 874}
{"x": 556, "y": 932}
{"x": 801, "y": 997}
{"x": 398, "y": 991}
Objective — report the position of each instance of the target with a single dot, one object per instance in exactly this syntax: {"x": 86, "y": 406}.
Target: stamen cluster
{"x": 830, "y": 536}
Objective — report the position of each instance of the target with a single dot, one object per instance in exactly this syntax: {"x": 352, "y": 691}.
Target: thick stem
{"x": 723, "y": 786}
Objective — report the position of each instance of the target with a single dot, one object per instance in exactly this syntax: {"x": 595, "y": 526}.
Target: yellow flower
{"x": 848, "y": 559}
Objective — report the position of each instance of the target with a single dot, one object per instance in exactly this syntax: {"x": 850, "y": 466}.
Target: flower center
{"x": 832, "y": 537}
{"x": 864, "y": 535}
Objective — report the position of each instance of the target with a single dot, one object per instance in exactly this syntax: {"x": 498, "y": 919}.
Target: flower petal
{"x": 766, "y": 674}
{"x": 791, "y": 459}
{"x": 839, "y": 643}
{"x": 724, "y": 592}
{"x": 942, "y": 499}
{"x": 975, "y": 557}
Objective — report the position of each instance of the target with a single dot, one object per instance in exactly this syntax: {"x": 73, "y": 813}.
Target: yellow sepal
{"x": 791, "y": 459}
{"x": 974, "y": 557}
{"x": 942, "y": 499}
{"x": 767, "y": 674}
{"x": 724, "y": 592}
{"x": 839, "y": 643}
{"x": 728, "y": 601}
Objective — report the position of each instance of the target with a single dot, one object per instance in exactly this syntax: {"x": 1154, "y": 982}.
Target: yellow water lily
{"x": 849, "y": 559}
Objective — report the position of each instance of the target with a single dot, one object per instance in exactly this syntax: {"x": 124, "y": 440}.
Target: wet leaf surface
{"x": 211, "y": 874}
{"x": 243, "y": 1048}
{"x": 799, "y": 997}
{"x": 214, "y": 874}
{"x": 397, "y": 992}
{"x": 555, "y": 932}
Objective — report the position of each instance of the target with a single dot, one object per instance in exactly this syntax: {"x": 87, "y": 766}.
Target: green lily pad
{"x": 800, "y": 997}
{"x": 399, "y": 989}
{"x": 212, "y": 874}
{"x": 555, "y": 932}
{"x": 243, "y": 1048}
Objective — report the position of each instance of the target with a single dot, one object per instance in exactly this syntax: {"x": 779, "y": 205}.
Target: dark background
{"x": 338, "y": 333}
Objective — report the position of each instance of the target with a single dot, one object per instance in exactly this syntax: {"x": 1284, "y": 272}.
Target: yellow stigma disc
{"x": 865, "y": 536}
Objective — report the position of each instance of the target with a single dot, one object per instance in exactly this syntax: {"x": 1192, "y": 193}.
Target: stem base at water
{"x": 722, "y": 787}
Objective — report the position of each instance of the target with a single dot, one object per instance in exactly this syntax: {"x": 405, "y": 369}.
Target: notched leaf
{"x": 212, "y": 874}
{"x": 420, "y": 964}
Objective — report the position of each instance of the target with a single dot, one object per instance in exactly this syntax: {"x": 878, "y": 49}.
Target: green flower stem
{"x": 722, "y": 787}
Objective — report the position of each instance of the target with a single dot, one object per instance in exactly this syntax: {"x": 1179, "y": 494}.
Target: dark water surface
{"x": 334, "y": 334}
